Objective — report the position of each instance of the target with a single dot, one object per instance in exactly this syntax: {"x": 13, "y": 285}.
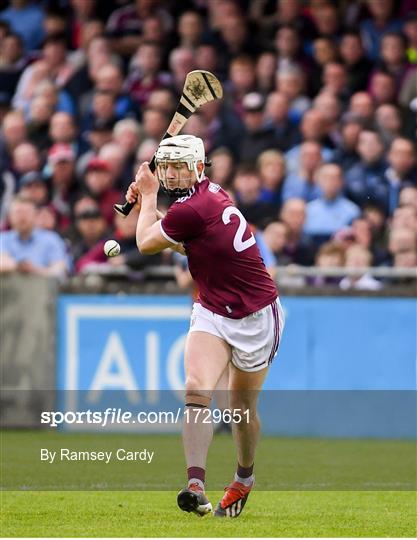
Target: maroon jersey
{"x": 223, "y": 257}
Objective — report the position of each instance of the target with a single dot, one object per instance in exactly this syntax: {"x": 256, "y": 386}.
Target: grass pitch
{"x": 154, "y": 514}
{"x": 362, "y": 476}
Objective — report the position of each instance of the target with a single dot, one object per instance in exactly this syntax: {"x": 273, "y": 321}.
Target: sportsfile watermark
{"x": 118, "y": 416}
{"x": 132, "y": 440}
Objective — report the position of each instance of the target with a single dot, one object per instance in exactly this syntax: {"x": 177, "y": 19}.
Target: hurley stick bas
{"x": 200, "y": 87}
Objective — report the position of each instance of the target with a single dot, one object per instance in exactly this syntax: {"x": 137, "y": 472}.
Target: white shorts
{"x": 254, "y": 339}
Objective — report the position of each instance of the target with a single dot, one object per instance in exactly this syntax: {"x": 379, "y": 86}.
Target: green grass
{"x": 150, "y": 514}
{"x": 304, "y": 487}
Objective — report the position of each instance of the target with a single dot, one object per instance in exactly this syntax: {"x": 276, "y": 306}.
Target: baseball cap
{"x": 60, "y": 152}
{"x": 30, "y": 178}
{"x": 98, "y": 164}
{"x": 253, "y": 102}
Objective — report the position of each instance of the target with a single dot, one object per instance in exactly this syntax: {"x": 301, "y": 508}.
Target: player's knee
{"x": 197, "y": 399}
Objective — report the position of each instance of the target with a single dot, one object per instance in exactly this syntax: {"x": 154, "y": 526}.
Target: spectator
{"x": 236, "y": 38}
{"x": 247, "y": 186}
{"x": 405, "y": 217}
{"x": 26, "y": 19}
{"x": 127, "y": 134}
{"x": 299, "y": 248}
{"x": 25, "y": 158}
{"x": 359, "y": 258}
{"x": 222, "y": 166}
{"x": 34, "y": 186}
{"x": 271, "y": 166}
{"x": 242, "y": 81}
{"x": 382, "y": 87}
{"x": 164, "y": 100}
{"x": 313, "y": 128}
{"x": 27, "y": 249}
{"x": 326, "y": 20}
{"x": 364, "y": 180}
{"x": 224, "y": 127}
{"x": 154, "y": 123}
{"x": 362, "y": 106}
{"x": 101, "y": 133}
{"x": 12, "y": 63}
{"x": 181, "y": 62}
{"x": 335, "y": 80}
{"x": 330, "y": 255}
{"x": 14, "y": 132}
{"x": 100, "y": 185}
{"x": 408, "y": 196}
{"x": 355, "y": 60}
{"x": 394, "y": 56}
{"x": 401, "y": 240}
{"x": 291, "y": 82}
{"x": 324, "y": 52}
{"x": 331, "y": 211}
{"x": 40, "y": 114}
{"x": 275, "y": 237}
{"x": 145, "y": 76}
{"x": 402, "y": 169}
{"x": 301, "y": 184}
{"x": 374, "y": 28}
{"x": 64, "y": 184}
{"x": 114, "y": 154}
{"x": 345, "y": 154}
{"x": 109, "y": 79}
{"x": 256, "y": 136}
{"x": 288, "y": 47}
{"x": 125, "y": 24}
{"x": 88, "y": 229}
{"x": 277, "y": 116}
{"x": 190, "y": 29}
{"x": 53, "y": 65}
{"x": 62, "y": 129}
{"x": 265, "y": 72}
{"x": 389, "y": 123}
{"x": 206, "y": 58}
{"x": 330, "y": 107}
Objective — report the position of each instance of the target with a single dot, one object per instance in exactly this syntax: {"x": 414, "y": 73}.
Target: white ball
{"x": 111, "y": 248}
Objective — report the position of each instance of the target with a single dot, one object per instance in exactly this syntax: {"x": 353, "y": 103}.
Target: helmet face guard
{"x": 177, "y": 185}
{"x": 172, "y": 154}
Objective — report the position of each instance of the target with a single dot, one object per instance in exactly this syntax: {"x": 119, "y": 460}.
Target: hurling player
{"x": 236, "y": 321}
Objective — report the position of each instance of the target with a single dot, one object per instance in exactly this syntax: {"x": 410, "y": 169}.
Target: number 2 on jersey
{"x": 238, "y": 243}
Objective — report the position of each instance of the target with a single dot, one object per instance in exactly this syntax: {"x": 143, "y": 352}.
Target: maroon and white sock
{"x": 196, "y": 475}
{"x": 244, "y": 475}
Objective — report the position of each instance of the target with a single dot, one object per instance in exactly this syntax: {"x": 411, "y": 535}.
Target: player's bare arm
{"x": 149, "y": 238}
{"x": 134, "y": 195}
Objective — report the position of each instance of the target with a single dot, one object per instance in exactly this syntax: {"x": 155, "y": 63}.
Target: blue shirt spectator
{"x": 372, "y": 34}
{"x": 27, "y": 21}
{"x": 297, "y": 187}
{"x": 293, "y": 157}
{"x": 331, "y": 211}
{"x": 301, "y": 184}
{"x": 28, "y": 249}
{"x": 325, "y": 217}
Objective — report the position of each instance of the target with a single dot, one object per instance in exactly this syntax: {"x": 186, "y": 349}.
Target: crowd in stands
{"x": 315, "y": 138}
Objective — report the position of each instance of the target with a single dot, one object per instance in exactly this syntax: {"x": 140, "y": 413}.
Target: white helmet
{"x": 181, "y": 148}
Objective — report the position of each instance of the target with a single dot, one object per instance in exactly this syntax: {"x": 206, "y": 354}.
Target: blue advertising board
{"x": 135, "y": 345}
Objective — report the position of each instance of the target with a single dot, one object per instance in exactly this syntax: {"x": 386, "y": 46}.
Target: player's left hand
{"x": 146, "y": 181}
